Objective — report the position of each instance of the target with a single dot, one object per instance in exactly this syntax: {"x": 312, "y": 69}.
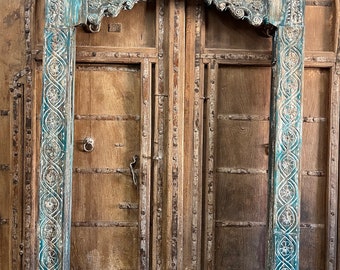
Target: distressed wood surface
{"x": 13, "y": 81}
{"x": 240, "y": 50}
{"x": 106, "y": 90}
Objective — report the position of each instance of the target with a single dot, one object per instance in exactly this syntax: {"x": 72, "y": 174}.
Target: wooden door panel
{"x": 105, "y": 207}
{"x": 5, "y": 193}
{"x": 115, "y": 143}
{"x": 314, "y": 166}
{"x": 106, "y": 204}
{"x": 244, "y": 90}
{"x": 5, "y": 239}
{"x": 123, "y": 31}
{"x": 104, "y": 248}
{"x": 241, "y": 198}
{"x": 241, "y": 164}
{"x": 222, "y": 31}
{"x": 104, "y": 197}
{"x": 320, "y": 27}
{"x": 313, "y": 200}
{"x": 107, "y": 90}
{"x": 316, "y": 92}
{"x": 240, "y": 248}
{"x": 315, "y": 143}
{"x": 312, "y": 249}
{"x": 242, "y": 144}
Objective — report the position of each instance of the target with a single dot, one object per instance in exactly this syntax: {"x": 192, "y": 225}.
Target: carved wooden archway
{"x": 286, "y": 16}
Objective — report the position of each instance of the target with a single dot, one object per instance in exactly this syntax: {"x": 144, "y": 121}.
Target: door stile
{"x": 160, "y": 101}
{"x": 145, "y": 165}
{"x": 197, "y": 130}
{"x": 333, "y": 161}
{"x": 210, "y": 166}
{"x": 175, "y": 170}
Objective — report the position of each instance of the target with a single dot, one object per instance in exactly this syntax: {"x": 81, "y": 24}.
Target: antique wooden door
{"x": 171, "y": 143}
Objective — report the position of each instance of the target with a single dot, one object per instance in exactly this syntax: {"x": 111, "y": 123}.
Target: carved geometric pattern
{"x": 53, "y": 147}
{"x": 288, "y": 147}
{"x": 254, "y": 11}
{"x": 294, "y": 12}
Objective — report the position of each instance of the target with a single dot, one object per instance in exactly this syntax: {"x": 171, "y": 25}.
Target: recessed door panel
{"x": 105, "y": 219}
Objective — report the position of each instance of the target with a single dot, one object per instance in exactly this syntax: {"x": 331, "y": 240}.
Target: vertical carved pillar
{"x": 56, "y": 145}
{"x": 286, "y": 135}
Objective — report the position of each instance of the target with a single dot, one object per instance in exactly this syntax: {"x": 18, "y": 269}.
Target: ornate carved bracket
{"x": 97, "y": 9}
{"x": 254, "y": 11}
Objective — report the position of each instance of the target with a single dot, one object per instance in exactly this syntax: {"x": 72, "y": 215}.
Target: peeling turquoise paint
{"x": 55, "y": 181}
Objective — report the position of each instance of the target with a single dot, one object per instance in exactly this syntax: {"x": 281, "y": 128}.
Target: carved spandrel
{"x": 98, "y": 9}
{"x": 254, "y": 11}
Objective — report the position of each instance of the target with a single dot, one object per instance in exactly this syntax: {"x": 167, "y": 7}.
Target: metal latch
{"x": 132, "y": 167}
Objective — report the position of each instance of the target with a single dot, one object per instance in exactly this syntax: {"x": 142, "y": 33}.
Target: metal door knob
{"x": 88, "y": 144}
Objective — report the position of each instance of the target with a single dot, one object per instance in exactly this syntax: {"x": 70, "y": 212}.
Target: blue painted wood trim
{"x": 286, "y": 140}
{"x": 56, "y": 146}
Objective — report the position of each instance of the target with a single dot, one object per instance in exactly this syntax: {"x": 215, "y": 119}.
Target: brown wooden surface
{"x": 12, "y": 61}
{"x": 208, "y": 187}
{"x": 104, "y": 91}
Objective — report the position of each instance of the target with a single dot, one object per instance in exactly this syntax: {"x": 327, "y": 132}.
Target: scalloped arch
{"x": 254, "y": 11}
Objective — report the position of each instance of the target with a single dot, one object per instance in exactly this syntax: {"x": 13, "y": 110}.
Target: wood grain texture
{"x": 241, "y": 60}
{"x": 12, "y": 62}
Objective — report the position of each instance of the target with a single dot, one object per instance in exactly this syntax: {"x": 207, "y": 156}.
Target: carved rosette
{"x": 97, "y": 9}
{"x": 254, "y": 11}
{"x": 56, "y": 138}
{"x": 52, "y": 150}
{"x": 288, "y": 131}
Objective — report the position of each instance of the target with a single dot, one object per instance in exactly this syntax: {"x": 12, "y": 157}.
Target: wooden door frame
{"x": 55, "y": 179}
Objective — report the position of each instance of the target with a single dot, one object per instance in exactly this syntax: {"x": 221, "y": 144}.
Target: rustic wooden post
{"x": 286, "y": 138}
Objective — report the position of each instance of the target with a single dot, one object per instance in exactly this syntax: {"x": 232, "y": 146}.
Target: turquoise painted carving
{"x": 56, "y": 136}
{"x": 97, "y": 9}
{"x": 286, "y": 133}
{"x": 57, "y": 120}
{"x": 254, "y": 11}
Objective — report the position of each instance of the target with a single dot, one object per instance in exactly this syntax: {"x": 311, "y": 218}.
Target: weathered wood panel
{"x": 120, "y": 32}
{"x": 104, "y": 248}
{"x": 240, "y": 248}
{"x": 241, "y": 163}
{"x": 106, "y": 201}
{"x": 320, "y": 27}
{"x": 124, "y": 31}
{"x": 224, "y": 32}
{"x": 12, "y": 62}
{"x": 314, "y": 164}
